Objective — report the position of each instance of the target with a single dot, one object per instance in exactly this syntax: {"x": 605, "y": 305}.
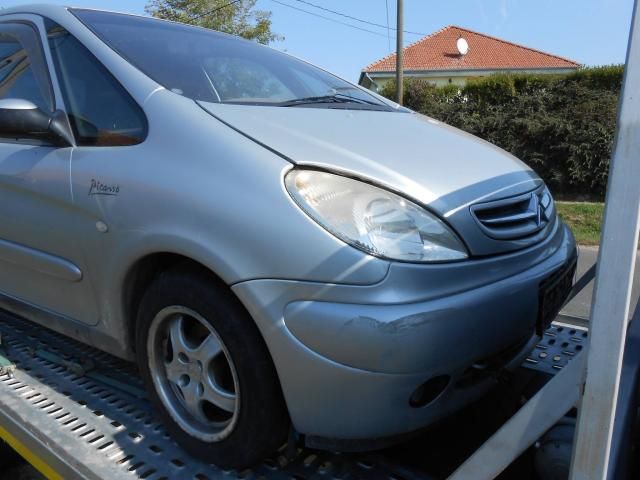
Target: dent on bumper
{"x": 452, "y": 331}
{"x": 349, "y": 359}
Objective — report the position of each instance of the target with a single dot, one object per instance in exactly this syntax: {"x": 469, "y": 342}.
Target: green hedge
{"x": 562, "y": 126}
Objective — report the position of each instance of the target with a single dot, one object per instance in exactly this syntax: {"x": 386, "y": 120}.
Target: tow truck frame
{"x": 74, "y": 418}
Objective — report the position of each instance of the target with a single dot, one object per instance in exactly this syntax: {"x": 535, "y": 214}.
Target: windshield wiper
{"x": 317, "y": 99}
{"x": 359, "y": 100}
{"x": 334, "y": 98}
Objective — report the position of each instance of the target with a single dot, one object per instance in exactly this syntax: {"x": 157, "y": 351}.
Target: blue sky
{"x": 592, "y": 32}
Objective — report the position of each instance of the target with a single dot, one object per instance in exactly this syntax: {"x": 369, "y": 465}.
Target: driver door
{"x": 41, "y": 264}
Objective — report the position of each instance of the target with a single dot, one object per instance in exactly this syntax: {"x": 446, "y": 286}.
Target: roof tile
{"x": 438, "y": 52}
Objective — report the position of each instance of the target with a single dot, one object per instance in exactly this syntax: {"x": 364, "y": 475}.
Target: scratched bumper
{"x": 350, "y": 357}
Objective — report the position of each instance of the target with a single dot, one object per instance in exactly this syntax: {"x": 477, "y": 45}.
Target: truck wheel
{"x": 208, "y": 371}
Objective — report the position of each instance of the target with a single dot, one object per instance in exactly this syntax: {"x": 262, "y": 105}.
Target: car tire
{"x": 185, "y": 317}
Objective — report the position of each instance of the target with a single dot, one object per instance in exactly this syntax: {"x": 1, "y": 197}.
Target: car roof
{"x": 47, "y": 9}
{"x": 58, "y": 12}
{"x": 33, "y": 8}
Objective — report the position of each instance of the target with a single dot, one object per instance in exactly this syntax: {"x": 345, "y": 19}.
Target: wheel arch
{"x": 141, "y": 274}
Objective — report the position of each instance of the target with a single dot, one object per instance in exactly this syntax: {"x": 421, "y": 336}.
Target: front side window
{"x": 101, "y": 111}
{"x": 205, "y": 65}
{"x": 23, "y": 72}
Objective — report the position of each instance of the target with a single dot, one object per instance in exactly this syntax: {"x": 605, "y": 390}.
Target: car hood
{"x": 436, "y": 165}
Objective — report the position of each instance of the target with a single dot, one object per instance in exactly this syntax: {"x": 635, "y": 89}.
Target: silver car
{"x": 278, "y": 249}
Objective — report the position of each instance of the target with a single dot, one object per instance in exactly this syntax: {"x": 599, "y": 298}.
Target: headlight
{"x": 372, "y": 219}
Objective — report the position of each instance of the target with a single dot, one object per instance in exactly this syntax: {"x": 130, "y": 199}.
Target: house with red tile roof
{"x": 442, "y": 58}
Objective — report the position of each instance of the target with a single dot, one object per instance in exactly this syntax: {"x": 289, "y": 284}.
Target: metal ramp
{"x": 99, "y": 424}
{"x": 559, "y": 344}
{"x": 79, "y": 426}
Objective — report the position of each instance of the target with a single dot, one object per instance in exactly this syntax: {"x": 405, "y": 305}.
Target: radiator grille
{"x": 515, "y": 217}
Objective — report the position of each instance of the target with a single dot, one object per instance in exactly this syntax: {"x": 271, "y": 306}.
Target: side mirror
{"x": 23, "y": 119}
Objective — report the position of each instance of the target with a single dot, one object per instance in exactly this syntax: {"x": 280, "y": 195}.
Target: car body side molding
{"x": 39, "y": 261}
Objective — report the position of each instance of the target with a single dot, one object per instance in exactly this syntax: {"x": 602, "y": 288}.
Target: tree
{"x": 237, "y": 17}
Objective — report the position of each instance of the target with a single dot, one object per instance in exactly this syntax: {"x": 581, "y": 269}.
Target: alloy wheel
{"x": 193, "y": 373}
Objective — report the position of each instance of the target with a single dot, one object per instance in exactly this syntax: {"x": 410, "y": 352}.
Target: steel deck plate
{"x": 86, "y": 428}
{"x": 559, "y": 344}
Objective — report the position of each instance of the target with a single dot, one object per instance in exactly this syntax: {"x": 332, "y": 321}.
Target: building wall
{"x": 451, "y": 78}
{"x": 438, "y": 81}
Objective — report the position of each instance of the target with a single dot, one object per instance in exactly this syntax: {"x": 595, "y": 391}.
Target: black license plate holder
{"x": 552, "y": 294}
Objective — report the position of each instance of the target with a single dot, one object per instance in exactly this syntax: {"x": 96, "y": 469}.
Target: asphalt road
{"x": 580, "y": 306}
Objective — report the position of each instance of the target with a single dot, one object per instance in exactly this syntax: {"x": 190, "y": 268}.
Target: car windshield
{"x": 210, "y": 66}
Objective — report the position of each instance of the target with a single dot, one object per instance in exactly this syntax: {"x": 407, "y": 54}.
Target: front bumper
{"x": 350, "y": 357}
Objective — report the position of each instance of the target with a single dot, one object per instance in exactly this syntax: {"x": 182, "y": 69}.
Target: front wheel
{"x": 208, "y": 371}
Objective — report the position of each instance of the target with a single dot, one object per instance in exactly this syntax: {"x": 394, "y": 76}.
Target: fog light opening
{"x": 429, "y": 391}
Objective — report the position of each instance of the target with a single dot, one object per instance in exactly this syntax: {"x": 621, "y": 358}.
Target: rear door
{"x": 41, "y": 262}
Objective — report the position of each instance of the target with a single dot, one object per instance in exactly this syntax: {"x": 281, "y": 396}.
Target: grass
{"x": 584, "y": 218}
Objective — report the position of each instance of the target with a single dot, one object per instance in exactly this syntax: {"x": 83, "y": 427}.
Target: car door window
{"x": 23, "y": 71}
{"x": 101, "y": 111}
